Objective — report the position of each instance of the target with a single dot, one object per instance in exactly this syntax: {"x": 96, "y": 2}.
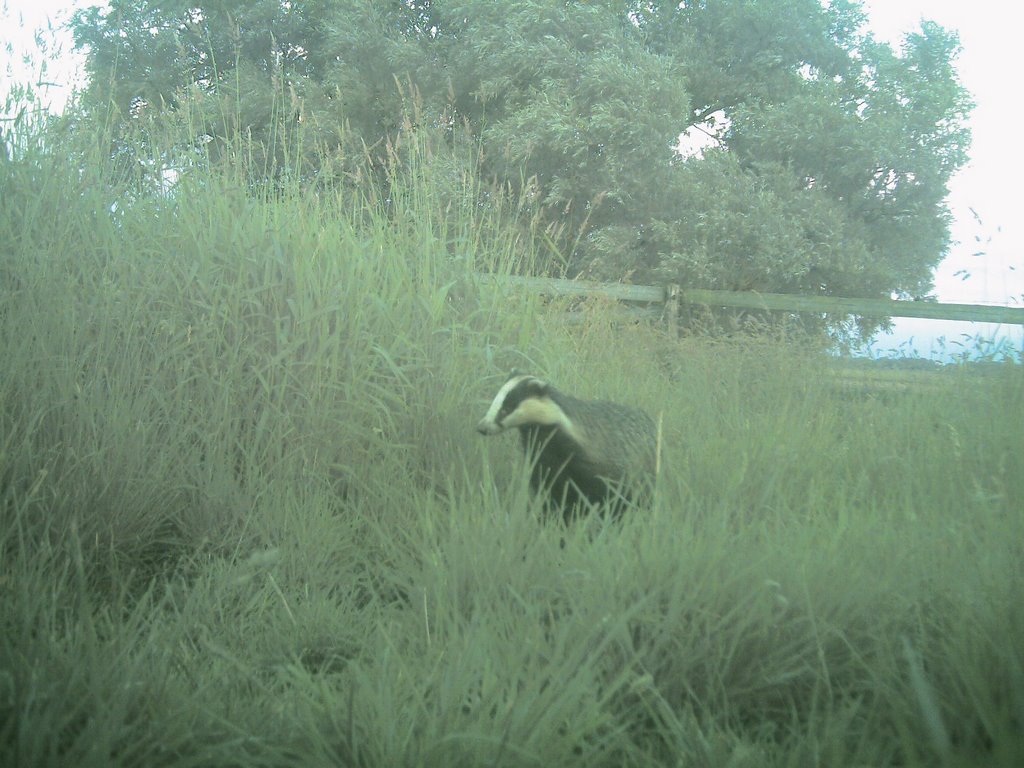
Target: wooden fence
{"x": 664, "y": 301}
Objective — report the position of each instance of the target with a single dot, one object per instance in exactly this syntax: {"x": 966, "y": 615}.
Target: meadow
{"x": 245, "y": 519}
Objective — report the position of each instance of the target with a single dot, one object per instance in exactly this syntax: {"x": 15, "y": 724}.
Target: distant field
{"x": 916, "y": 376}
{"x": 245, "y": 519}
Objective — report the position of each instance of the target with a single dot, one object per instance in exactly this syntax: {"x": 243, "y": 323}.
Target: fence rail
{"x": 671, "y": 296}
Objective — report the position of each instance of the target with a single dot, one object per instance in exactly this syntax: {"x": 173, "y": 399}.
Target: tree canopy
{"x": 826, "y": 153}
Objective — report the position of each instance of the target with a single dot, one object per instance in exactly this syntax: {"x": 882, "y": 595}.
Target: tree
{"x": 830, "y": 152}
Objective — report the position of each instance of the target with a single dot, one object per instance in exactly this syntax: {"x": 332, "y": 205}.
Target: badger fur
{"x": 579, "y": 450}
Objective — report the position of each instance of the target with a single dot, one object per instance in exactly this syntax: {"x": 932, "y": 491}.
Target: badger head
{"x": 522, "y": 401}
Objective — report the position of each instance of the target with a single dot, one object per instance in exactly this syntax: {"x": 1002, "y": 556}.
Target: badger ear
{"x": 539, "y": 386}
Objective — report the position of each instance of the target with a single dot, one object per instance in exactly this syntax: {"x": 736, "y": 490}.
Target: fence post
{"x": 672, "y": 294}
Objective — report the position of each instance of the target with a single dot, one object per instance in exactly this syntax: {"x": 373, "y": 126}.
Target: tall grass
{"x": 244, "y": 518}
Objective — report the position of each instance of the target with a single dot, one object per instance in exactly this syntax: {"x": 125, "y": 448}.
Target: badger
{"x": 590, "y": 451}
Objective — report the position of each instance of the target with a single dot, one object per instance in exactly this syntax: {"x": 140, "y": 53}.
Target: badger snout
{"x": 487, "y": 427}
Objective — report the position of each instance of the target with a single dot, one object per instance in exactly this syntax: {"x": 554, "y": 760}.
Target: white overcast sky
{"x": 985, "y": 264}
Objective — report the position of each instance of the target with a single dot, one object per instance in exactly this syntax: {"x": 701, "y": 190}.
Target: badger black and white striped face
{"x": 522, "y": 401}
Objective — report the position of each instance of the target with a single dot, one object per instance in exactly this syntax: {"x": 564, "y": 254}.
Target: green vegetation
{"x": 827, "y": 152}
{"x": 245, "y": 520}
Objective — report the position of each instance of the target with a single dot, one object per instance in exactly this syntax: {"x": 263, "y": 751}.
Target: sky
{"x": 985, "y": 265}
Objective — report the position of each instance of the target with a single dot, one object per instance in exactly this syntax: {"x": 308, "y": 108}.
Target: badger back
{"x": 616, "y": 441}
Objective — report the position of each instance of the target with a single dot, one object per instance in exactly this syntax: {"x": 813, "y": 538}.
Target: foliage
{"x": 245, "y": 520}
{"x": 830, "y": 159}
